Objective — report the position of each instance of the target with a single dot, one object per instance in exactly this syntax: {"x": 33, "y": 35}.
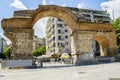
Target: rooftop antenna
{"x": 113, "y": 15}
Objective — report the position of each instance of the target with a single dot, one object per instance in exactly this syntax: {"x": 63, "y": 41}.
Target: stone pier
{"x": 22, "y": 43}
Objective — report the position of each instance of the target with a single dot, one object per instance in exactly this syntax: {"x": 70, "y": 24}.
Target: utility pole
{"x": 113, "y": 15}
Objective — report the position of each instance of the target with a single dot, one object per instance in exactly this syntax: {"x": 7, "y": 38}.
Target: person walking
{"x": 41, "y": 63}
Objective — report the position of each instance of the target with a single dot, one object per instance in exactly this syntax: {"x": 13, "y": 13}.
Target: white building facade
{"x": 3, "y": 44}
{"x": 57, "y": 37}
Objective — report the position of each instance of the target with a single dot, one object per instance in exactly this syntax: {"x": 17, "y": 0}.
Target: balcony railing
{"x": 61, "y": 39}
{"x": 60, "y": 33}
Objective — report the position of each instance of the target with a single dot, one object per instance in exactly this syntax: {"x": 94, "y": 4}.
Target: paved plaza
{"x": 59, "y": 71}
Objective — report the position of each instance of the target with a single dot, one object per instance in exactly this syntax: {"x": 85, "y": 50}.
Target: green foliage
{"x": 7, "y": 52}
{"x": 40, "y": 51}
{"x": 36, "y": 53}
{"x": 116, "y": 25}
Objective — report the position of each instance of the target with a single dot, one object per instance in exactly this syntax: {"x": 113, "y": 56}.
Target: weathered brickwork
{"x": 19, "y": 30}
{"x": 83, "y": 44}
{"x": 23, "y": 13}
{"x": 22, "y": 47}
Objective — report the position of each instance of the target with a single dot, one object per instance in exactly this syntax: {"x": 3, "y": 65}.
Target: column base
{"x": 22, "y": 56}
{"x": 84, "y": 59}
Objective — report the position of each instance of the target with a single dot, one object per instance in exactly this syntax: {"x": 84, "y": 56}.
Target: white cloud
{"x": 44, "y": 2}
{"x": 81, "y": 5}
{"x": 40, "y": 27}
{"x": 112, "y": 6}
{"x": 64, "y": 5}
{"x": 18, "y": 4}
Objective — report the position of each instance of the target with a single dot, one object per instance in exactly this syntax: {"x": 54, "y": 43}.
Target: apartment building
{"x": 57, "y": 37}
{"x": 91, "y": 15}
{"x": 58, "y": 33}
{"x": 37, "y": 42}
{"x": 3, "y": 44}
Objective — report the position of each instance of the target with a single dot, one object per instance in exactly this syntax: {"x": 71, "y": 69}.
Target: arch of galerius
{"x": 19, "y": 29}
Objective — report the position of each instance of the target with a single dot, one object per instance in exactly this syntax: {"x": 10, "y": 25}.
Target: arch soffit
{"x": 102, "y": 40}
{"x": 56, "y": 11}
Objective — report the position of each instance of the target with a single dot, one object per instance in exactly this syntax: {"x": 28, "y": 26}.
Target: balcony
{"x": 51, "y": 37}
{"x": 61, "y": 33}
{"x": 59, "y": 27}
{"x": 87, "y": 17}
{"x": 61, "y": 40}
{"x": 101, "y": 14}
{"x": 49, "y": 26}
{"x": 106, "y": 19}
{"x": 52, "y": 44}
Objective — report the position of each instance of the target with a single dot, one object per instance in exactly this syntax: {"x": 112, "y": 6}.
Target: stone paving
{"x": 59, "y": 71}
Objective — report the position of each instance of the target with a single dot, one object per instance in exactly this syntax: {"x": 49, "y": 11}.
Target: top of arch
{"x": 27, "y": 18}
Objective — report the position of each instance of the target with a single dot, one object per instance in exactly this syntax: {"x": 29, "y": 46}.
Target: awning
{"x": 56, "y": 55}
{"x": 43, "y": 56}
{"x": 65, "y": 56}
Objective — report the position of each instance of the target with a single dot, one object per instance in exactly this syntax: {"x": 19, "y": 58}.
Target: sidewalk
{"x": 65, "y": 72}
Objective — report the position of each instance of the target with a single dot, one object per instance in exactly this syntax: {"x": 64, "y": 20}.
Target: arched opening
{"x": 101, "y": 46}
{"x": 57, "y": 38}
{"x": 61, "y": 14}
{"x": 96, "y": 49}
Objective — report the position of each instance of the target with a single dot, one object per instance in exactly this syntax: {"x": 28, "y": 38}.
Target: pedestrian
{"x": 41, "y": 63}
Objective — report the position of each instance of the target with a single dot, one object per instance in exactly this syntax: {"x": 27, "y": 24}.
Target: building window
{"x": 59, "y": 37}
{"x": 59, "y": 44}
{"x": 65, "y": 24}
{"x": 53, "y": 38}
{"x": 59, "y": 31}
{"x": 66, "y": 30}
{"x": 59, "y": 20}
{"x": 53, "y": 26}
{"x": 54, "y": 45}
{"x": 66, "y": 37}
{"x": 66, "y": 43}
{"x": 39, "y": 44}
{"x": 59, "y": 25}
{"x": 67, "y": 49}
{"x": 87, "y": 15}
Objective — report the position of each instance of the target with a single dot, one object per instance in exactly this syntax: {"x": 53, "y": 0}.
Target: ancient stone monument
{"x": 19, "y": 29}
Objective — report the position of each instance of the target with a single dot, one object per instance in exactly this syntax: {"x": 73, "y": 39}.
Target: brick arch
{"x": 101, "y": 39}
{"x": 21, "y": 25}
{"x": 56, "y": 11}
{"x": 103, "y": 43}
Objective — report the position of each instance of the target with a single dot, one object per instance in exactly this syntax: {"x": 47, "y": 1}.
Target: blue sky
{"x": 7, "y": 7}
{"x": 7, "y": 10}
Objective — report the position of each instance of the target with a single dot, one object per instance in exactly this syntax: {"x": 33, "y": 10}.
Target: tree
{"x": 40, "y": 51}
{"x": 36, "y": 53}
{"x": 116, "y": 25}
{"x": 7, "y": 52}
